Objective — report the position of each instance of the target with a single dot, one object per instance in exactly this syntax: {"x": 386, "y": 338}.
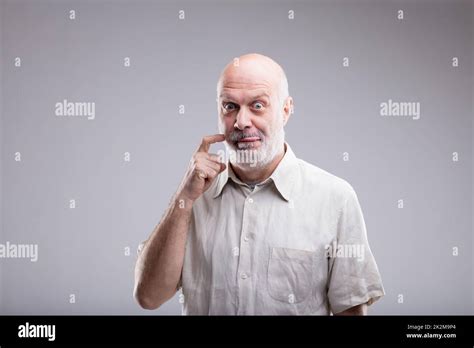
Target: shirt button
{"x": 246, "y": 238}
{"x": 244, "y": 276}
{"x": 250, "y": 200}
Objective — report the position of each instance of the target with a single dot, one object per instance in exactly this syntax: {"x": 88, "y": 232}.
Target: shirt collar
{"x": 283, "y": 176}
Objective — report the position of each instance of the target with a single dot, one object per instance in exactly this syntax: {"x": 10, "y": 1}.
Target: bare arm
{"x": 356, "y": 310}
{"x": 159, "y": 264}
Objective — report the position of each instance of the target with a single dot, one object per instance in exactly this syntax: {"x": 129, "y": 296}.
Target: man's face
{"x": 251, "y": 116}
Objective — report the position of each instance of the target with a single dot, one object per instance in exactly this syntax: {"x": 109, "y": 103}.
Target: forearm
{"x": 159, "y": 264}
{"x": 356, "y": 310}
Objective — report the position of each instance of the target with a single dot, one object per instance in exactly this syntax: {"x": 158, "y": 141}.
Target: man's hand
{"x": 203, "y": 169}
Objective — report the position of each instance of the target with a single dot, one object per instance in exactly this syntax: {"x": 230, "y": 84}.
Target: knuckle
{"x": 198, "y": 168}
{"x": 197, "y": 158}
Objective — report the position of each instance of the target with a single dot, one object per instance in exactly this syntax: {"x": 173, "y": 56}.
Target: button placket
{"x": 244, "y": 271}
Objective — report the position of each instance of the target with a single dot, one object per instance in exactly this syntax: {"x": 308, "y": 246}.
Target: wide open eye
{"x": 229, "y": 106}
{"x": 258, "y": 105}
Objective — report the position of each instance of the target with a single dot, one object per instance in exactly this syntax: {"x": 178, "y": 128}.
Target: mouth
{"x": 248, "y": 143}
{"x": 249, "y": 140}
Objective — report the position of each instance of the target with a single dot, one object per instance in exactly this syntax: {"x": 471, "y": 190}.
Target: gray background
{"x": 81, "y": 251}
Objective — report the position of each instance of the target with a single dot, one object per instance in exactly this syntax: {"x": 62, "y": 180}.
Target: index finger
{"x": 208, "y": 140}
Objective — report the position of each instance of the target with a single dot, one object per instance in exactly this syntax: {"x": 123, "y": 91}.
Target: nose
{"x": 242, "y": 120}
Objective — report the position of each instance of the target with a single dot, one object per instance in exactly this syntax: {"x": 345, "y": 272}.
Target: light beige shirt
{"x": 266, "y": 251}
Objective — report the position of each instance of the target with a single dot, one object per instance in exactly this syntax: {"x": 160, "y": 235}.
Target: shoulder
{"x": 319, "y": 181}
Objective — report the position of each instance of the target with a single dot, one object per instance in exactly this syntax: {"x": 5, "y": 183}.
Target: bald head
{"x": 254, "y": 69}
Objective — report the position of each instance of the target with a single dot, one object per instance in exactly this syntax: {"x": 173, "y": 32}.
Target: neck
{"x": 255, "y": 175}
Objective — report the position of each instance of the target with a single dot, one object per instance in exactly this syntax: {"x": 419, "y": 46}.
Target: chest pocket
{"x": 290, "y": 274}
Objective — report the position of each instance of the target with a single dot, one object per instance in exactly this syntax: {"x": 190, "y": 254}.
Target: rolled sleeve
{"x": 354, "y": 277}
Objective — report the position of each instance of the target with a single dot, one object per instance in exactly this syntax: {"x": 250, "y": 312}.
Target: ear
{"x": 287, "y": 109}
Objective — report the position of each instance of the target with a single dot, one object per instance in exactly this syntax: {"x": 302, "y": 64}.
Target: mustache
{"x": 239, "y": 135}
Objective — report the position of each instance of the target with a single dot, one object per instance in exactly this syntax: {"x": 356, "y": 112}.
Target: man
{"x": 272, "y": 236}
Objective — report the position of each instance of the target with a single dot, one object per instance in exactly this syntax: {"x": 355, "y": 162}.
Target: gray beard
{"x": 262, "y": 156}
